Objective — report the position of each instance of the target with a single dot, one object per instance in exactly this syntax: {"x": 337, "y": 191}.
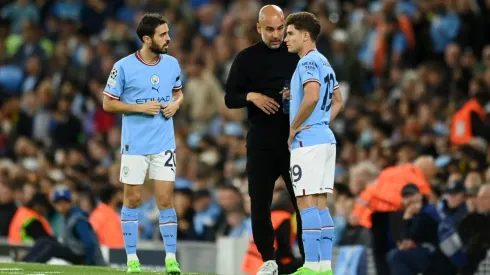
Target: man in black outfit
{"x": 256, "y": 80}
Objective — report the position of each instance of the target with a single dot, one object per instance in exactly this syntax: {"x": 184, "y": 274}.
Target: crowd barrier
{"x": 223, "y": 257}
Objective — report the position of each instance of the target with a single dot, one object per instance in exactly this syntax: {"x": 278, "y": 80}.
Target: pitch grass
{"x": 44, "y": 269}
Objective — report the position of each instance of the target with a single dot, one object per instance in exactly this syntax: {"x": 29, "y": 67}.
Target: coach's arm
{"x": 113, "y": 105}
{"x": 236, "y": 94}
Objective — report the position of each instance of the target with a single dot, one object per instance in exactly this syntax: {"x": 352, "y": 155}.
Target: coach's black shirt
{"x": 262, "y": 70}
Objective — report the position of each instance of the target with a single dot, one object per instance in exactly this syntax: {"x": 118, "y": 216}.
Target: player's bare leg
{"x": 129, "y": 222}
{"x": 164, "y": 192}
{"x": 326, "y": 240}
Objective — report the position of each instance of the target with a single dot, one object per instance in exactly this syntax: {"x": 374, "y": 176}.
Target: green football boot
{"x": 172, "y": 267}
{"x": 134, "y": 267}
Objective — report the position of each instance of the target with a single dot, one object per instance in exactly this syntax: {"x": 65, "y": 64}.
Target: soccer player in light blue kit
{"x": 315, "y": 100}
{"x": 145, "y": 87}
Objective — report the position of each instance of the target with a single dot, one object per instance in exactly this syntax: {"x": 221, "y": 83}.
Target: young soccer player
{"x": 145, "y": 87}
{"x": 315, "y": 100}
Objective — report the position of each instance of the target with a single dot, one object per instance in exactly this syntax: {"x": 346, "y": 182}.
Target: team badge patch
{"x": 155, "y": 79}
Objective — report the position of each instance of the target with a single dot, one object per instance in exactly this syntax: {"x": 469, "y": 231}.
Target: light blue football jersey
{"x": 313, "y": 67}
{"x": 134, "y": 81}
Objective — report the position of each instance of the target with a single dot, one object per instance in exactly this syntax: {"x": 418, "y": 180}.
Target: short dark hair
{"x": 305, "y": 21}
{"x": 148, "y": 24}
{"x": 107, "y": 193}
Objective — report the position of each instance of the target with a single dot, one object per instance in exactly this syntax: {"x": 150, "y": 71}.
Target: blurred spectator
{"x": 79, "y": 245}
{"x": 206, "y": 215}
{"x": 105, "y": 219}
{"x": 381, "y": 199}
{"x": 29, "y": 224}
{"x": 185, "y": 213}
{"x": 19, "y": 12}
{"x": 148, "y": 216}
{"x": 418, "y": 250}
{"x": 474, "y": 231}
{"x": 472, "y": 184}
{"x": 454, "y": 205}
{"x": 470, "y": 120}
{"x": 483, "y": 200}
{"x": 7, "y": 206}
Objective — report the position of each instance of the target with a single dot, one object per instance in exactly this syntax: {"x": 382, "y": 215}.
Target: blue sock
{"x": 168, "y": 229}
{"x": 129, "y": 222}
{"x": 310, "y": 218}
{"x": 326, "y": 242}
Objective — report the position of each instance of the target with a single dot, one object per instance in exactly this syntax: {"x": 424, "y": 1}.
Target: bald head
{"x": 427, "y": 165}
{"x": 271, "y": 25}
{"x": 267, "y": 12}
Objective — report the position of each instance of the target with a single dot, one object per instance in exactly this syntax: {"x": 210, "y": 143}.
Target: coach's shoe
{"x": 172, "y": 267}
{"x": 305, "y": 271}
{"x": 268, "y": 268}
{"x": 134, "y": 267}
{"x": 328, "y": 272}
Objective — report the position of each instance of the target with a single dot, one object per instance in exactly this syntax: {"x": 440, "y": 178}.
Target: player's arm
{"x": 170, "y": 109}
{"x": 337, "y": 103}
{"x": 177, "y": 94}
{"x": 113, "y": 105}
{"x": 114, "y": 89}
{"x": 310, "y": 99}
{"x": 310, "y": 76}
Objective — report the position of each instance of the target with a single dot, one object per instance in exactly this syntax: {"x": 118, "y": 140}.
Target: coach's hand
{"x": 294, "y": 132}
{"x": 150, "y": 108}
{"x": 265, "y": 103}
{"x": 170, "y": 109}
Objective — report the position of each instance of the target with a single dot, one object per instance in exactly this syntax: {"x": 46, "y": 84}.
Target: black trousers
{"x": 381, "y": 247}
{"x": 46, "y": 248}
{"x": 263, "y": 168}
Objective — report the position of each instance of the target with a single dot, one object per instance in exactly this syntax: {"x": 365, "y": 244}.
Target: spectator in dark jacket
{"x": 418, "y": 251}
{"x": 79, "y": 241}
{"x": 454, "y": 206}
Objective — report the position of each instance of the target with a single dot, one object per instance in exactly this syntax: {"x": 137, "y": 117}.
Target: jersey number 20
{"x": 328, "y": 93}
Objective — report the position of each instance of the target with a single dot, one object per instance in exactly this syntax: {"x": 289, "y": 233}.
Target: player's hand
{"x": 294, "y": 132}
{"x": 150, "y": 108}
{"x": 170, "y": 109}
{"x": 286, "y": 94}
{"x": 265, "y": 103}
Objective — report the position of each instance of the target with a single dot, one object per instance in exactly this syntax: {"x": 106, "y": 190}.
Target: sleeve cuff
{"x": 177, "y": 88}
{"x": 111, "y": 95}
{"x": 311, "y": 80}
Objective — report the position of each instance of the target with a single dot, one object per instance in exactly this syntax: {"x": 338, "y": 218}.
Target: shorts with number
{"x": 134, "y": 168}
{"x": 313, "y": 169}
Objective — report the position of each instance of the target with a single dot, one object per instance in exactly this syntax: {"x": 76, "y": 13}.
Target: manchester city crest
{"x": 155, "y": 79}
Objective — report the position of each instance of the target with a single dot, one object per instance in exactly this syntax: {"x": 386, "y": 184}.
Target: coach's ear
{"x": 259, "y": 28}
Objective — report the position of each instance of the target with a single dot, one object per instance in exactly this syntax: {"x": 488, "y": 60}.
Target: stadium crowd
{"x": 407, "y": 70}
